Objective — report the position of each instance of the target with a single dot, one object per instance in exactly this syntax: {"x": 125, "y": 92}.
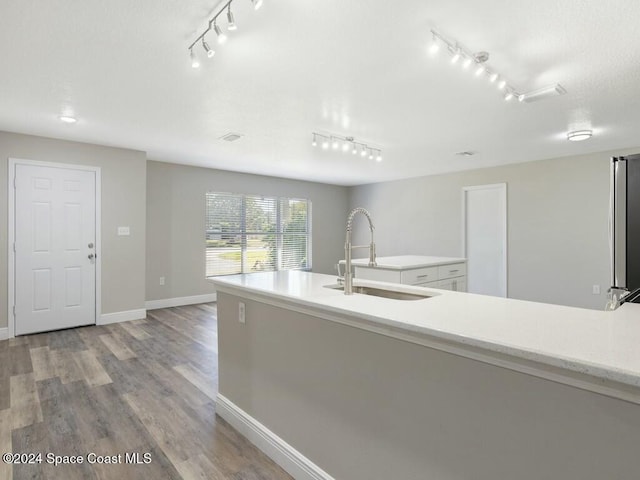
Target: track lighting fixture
{"x": 231, "y": 23}
{"x": 469, "y": 58}
{"x": 348, "y": 144}
{"x": 207, "y": 48}
{"x": 195, "y": 63}
{"x": 221, "y": 36}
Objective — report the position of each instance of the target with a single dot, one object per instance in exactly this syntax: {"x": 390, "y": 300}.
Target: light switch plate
{"x": 123, "y": 231}
{"x": 241, "y": 312}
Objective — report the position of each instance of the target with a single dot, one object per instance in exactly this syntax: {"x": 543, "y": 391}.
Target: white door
{"x": 55, "y": 236}
{"x": 485, "y": 238}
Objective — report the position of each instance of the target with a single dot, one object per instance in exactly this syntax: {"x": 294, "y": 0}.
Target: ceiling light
{"x": 231, "y": 23}
{"x": 345, "y": 144}
{"x": 579, "y": 135}
{"x": 479, "y": 59}
{"x": 256, "y": 4}
{"x": 222, "y": 37}
{"x": 195, "y": 63}
{"x": 542, "y": 93}
{"x": 207, "y": 48}
{"x": 67, "y": 119}
{"x": 435, "y": 46}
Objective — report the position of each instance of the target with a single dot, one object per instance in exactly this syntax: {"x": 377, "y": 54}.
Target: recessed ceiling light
{"x": 67, "y": 119}
{"x": 579, "y": 135}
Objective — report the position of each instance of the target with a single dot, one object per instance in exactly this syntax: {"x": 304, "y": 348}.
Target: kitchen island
{"x": 455, "y": 386}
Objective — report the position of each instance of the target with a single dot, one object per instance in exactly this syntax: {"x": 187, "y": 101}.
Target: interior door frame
{"x": 503, "y": 188}
{"x": 11, "y": 226}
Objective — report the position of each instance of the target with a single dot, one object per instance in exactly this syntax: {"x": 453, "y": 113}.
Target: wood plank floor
{"x": 146, "y": 386}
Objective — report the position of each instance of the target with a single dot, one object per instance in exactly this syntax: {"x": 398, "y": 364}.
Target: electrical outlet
{"x": 161, "y": 280}
{"x": 241, "y": 318}
{"x": 596, "y": 289}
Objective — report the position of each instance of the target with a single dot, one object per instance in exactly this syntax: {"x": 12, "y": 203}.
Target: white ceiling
{"x": 357, "y": 67}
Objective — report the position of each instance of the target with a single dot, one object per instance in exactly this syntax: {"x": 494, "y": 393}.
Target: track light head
{"x": 508, "y": 96}
{"x": 493, "y": 77}
{"x": 467, "y": 63}
{"x": 325, "y": 144}
{"x": 435, "y": 45}
{"x": 256, "y": 4}
{"x": 222, "y": 37}
{"x": 502, "y": 84}
{"x": 314, "y": 142}
{"x": 379, "y": 157}
{"x": 456, "y": 56}
{"x": 195, "y": 63}
{"x": 231, "y": 23}
{"x": 208, "y": 49}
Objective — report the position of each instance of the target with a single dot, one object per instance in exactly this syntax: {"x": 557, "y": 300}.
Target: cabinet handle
{"x": 423, "y": 276}
{"x": 453, "y": 271}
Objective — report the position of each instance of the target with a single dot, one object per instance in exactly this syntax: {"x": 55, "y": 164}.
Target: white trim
{"x": 124, "y": 316}
{"x": 4, "y": 333}
{"x": 11, "y": 190}
{"x": 290, "y": 459}
{"x": 497, "y": 186}
{"x": 180, "y": 301}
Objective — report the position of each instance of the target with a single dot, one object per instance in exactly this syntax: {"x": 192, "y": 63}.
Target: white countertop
{"x": 405, "y": 262}
{"x": 603, "y": 346}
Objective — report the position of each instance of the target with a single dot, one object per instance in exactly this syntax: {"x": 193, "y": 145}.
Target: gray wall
{"x": 363, "y": 406}
{"x": 123, "y": 203}
{"x": 176, "y": 215}
{"x": 557, "y": 223}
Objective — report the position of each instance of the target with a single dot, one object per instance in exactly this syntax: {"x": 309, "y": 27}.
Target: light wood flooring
{"x": 146, "y": 386}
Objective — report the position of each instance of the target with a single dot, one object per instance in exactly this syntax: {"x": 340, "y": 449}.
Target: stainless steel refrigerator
{"x": 625, "y": 225}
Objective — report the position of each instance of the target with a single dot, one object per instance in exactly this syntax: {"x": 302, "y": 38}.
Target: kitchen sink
{"x": 381, "y": 292}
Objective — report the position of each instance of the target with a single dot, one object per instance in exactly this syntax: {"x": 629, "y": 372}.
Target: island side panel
{"x": 364, "y": 406}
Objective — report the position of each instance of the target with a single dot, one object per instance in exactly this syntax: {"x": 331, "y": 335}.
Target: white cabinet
{"x": 435, "y": 272}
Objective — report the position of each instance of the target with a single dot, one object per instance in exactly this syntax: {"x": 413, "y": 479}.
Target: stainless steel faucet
{"x": 348, "y": 276}
{"x": 616, "y": 296}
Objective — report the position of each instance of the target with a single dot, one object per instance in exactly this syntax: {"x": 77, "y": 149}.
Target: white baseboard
{"x": 125, "y": 316}
{"x": 290, "y": 459}
{"x": 180, "y": 301}
{"x": 4, "y": 333}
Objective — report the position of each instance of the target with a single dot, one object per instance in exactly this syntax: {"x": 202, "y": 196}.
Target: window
{"x": 250, "y": 233}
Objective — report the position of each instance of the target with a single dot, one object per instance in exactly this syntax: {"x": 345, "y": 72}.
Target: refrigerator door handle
{"x": 617, "y": 222}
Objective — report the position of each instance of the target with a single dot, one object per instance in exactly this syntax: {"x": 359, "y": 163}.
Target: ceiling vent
{"x": 231, "y": 137}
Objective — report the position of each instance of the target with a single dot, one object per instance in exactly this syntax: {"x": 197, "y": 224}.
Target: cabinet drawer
{"x": 419, "y": 275}
{"x": 377, "y": 274}
{"x": 453, "y": 270}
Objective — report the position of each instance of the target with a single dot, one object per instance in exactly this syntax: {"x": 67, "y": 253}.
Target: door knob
{"x": 90, "y": 245}
{"x": 91, "y": 256}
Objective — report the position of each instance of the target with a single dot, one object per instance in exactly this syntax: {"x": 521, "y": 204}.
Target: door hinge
{"x": 14, "y": 311}
{"x": 14, "y": 247}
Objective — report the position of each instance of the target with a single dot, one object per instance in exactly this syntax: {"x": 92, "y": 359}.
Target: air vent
{"x": 231, "y": 137}
{"x": 466, "y": 153}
